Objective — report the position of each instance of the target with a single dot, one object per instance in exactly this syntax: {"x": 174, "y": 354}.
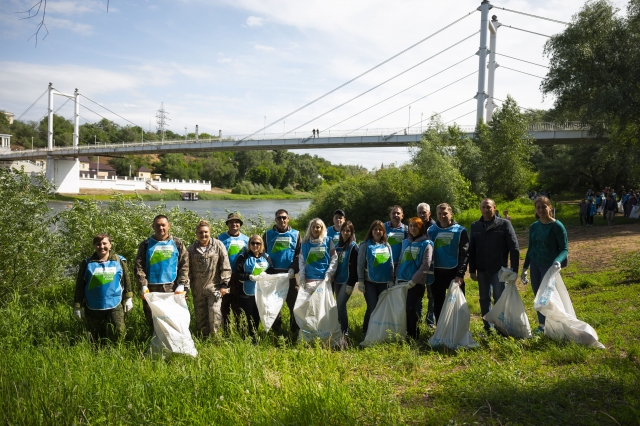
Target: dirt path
{"x": 596, "y": 247}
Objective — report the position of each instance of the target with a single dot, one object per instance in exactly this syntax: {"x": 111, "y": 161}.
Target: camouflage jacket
{"x": 208, "y": 271}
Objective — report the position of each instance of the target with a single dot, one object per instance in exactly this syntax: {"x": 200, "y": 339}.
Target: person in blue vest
{"x": 450, "y": 255}
{"x": 249, "y": 265}
{"x": 375, "y": 268}
{"x": 415, "y": 269}
{"x": 316, "y": 262}
{"x": 396, "y": 231}
{"x": 104, "y": 291}
{"x": 235, "y": 242}
{"x": 334, "y": 231}
{"x": 492, "y": 244}
{"x": 162, "y": 264}
{"x": 282, "y": 244}
{"x": 346, "y": 272}
{"x": 424, "y": 213}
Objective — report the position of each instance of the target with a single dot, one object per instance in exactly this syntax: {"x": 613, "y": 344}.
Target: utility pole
{"x": 484, "y": 8}
{"x": 161, "y": 120}
{"x": 493, "y": 29}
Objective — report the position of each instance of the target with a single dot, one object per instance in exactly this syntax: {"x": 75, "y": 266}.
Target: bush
{"x": 289, "y": 190}
{"x": 244, "y": 188}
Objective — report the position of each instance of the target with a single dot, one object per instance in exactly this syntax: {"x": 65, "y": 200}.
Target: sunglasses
{"x": 281, "y": 217}
{"x": 256, "y": 243}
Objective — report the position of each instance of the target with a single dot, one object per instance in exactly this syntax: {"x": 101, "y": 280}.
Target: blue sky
{"x": 226, "y": 65}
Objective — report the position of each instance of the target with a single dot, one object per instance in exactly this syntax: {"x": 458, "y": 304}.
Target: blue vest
{"x": 445, "y": 243}
{"x": 316, "y": 259}
{"x": 395, "y": 236}
{"x": 234, "y": 246}
{"x": 378, "y": 262}
{"x": 342, "y": 272}
{"x": 162, "y": 261}
{"x": 281, "y": 247}
{"x": 411, "y": 260}
{"x": 102, "y": 289}
{"x": 333, "y": 235}
{"x": 253, "y": 266}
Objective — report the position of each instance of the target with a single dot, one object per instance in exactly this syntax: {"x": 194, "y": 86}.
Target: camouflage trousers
{"x": 107, "y": 323}
{"x": 208, "y": 313}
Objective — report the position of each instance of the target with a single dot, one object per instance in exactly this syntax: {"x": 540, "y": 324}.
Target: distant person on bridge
{"x": 282, "y": 244}
{"x": 424, "y": 212}
{"x": 314, "y": 132}
{"x": 450, "y": 255}
{"x": 162, "y": 264}
{"x": 209, "y": 275}
{"x": 334, "y": 232}
{"x": 235, "y": 242}
{"x": 492, "y": 244}
{"x": 548, "y": 248}
{"x": 104, "y": 291}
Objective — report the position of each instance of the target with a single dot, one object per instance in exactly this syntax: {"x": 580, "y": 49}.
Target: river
{"x": 218, "y": 208}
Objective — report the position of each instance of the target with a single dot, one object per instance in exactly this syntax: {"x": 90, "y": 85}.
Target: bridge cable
{"x": 357, "y": 77}
{"x": 522, "y": 72}
{"x": 36, "y": 101}
{"x": 128, "y": 121}
{"x": 419, "y": 99}
{"x": 522, "y": 60}
{"x": 463, "y": 115}
{"x": 439, "y": 113}
{"x": 533, "y": 16}
{"x": 555, "y": 120}
{"x": 396, "y": 94}
{"x": 526, "y": 31}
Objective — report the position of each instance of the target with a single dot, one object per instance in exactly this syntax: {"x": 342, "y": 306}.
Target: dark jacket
{"x": 239, "y": 272}
{"x": 352, "y": 278}
{"x": 491, "y": 244}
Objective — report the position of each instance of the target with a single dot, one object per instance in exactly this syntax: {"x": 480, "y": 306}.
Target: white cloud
{"x": 254, "y": 21}
{"x": 263, "y": 48}
{"x": 224, "y": 60}
{"x": 69, "y": 25}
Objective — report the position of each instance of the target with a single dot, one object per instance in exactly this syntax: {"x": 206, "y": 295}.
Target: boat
{"x": 189, "y": 196}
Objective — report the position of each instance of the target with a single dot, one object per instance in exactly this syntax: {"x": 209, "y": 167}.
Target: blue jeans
{"x": 485, "y": 283}
{"x": 537, "y": 273}
{"x": 340, "y": 292}
{"x": 371, "y": 293}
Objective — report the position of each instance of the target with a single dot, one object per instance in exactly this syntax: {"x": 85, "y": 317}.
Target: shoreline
{"x": 147, "y": 195}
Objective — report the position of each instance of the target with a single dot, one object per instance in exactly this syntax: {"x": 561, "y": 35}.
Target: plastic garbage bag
{"x": 634, "y": 212}
{"x": 316, "y": 313}
{"x": 388, "y": 321}
{"x": 620, "y": 207}
{"x": 452, "y": 329}
{"x": 171, "y": 319}
{"x": 554, "y": 303}
{"x": 271, "y": 292}
{"x": 508, "y": 314}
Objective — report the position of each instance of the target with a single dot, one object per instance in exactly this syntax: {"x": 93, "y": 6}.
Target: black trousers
{"x": 247, "y": 304}
{"x": 442, "y": 280}
{"x": 292, "y": 295}
{"x": 413, "y": 295}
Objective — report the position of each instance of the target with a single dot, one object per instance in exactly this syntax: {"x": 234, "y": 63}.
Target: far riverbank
{"x": 214, "y": 194}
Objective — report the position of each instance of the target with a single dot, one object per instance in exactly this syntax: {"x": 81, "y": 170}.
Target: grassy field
{"x": 50, "y": 373}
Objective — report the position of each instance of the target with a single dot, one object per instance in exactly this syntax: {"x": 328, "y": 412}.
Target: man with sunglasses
{"x": 282, "y": 243}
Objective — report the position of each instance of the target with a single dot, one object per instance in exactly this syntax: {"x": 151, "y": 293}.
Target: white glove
{"x": 291, "y": 273}
{"x": 254, "y": 277}
{"x": 361, "y": 286}
{"x": 556, "y": 267}
{"x": 411, "y": 284}
{"x": 77, "y": 312}
{"x": 349, "y": 290}
{"x": 179, "y": 289}
{"x": 390, "y": 284}
{"x": 144, "y": 290}
{"x": 523, "y": 277}
{"x": 128, "y": 305}
{"x": 302, "y": 284}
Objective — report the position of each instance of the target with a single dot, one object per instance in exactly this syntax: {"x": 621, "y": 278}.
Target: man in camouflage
{"x": 162, "y": 264}
{"x": 209, "y": 275}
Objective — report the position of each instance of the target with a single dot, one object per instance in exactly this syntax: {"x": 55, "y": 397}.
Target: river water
{"x": 218, "y": 208}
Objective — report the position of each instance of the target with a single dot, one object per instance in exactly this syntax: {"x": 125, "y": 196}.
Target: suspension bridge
{"x": 62, "y": 162}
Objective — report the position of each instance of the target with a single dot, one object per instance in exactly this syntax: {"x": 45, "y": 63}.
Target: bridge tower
{"x": 481, "y": 96}
{"x": 493, "y": 29}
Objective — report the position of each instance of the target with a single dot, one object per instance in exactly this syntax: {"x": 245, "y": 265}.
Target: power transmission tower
{"x": 161, "y": 120}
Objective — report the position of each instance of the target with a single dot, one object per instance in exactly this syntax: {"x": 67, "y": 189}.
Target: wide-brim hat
{"x": 234, "y": 216}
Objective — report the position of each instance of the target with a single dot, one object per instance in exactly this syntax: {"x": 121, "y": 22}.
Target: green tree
{"x": 62, "y": 130}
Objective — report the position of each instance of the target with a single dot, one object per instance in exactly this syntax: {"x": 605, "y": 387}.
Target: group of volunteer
{"x": 427, "y": 256}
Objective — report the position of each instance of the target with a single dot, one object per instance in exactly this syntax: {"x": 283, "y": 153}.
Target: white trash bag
{"x": 452, "y": 329}
{"x": 316, "y": 313}
{"x": 554, "y": 303}
{"x": 634, "y": 212}
{"x": 171, "y": 320}
{"x": 508, "y": 314}
{"x": 271, "y": 292}
{"x": 389, "y": 318}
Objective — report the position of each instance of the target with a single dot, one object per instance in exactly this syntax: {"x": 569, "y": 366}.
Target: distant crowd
{"x": 608, "y": 202}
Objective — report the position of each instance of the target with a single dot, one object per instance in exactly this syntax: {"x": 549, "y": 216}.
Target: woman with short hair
{"x": 375, "y": 268}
